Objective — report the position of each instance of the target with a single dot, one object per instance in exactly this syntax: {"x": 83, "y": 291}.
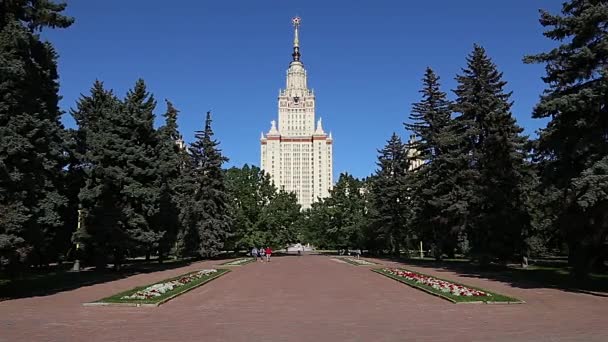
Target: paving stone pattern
{"x": 308, "y": 298}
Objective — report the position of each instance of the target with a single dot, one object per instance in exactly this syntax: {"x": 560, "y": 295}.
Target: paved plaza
{"x": 307, "y": 298}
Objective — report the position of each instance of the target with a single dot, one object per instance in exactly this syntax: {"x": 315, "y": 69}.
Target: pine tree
{"x": 32, "y": 150}
{"x": 140, "y": 185}
{"x": 120, "y": 196}
{"x": 434, "y": 185}
{"x": 208, "y": 213}
{"x": 100, "y": 133}
{"x": 390, "y": 196}
{"x": 169, "y": 161}
{"x": 573, "y": 148}
{"x": 496, "y": 153}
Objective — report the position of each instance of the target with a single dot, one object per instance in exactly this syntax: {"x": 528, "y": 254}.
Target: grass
{"x": 248, "y": 260}
{"x": 495, "y": 298}
{"x": 177, "y": 291}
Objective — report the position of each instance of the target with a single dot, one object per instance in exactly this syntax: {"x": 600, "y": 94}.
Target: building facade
{"x": 297, "y": 153}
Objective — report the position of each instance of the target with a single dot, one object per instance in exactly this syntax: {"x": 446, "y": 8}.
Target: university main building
{"x": 297, "y": 154}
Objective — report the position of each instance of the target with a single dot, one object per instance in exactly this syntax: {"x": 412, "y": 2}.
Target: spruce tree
{"x": 140, "y": 185}
{"x": 434, "y": 185}
{"x": 32, "y": 150}
{"x": 390, "y": 196}
{"x": 120, "y": 196}
{"x": 99, "y": 132}
{"x": 208, "y": 213}
{"x": 169, "y": 159}
{"x": 496, "y": 151}
{"x": 573, "y": 148}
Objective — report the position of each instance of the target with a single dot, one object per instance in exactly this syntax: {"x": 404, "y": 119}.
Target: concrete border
{"x": 379, "y": 271}
{"x": 161, "y": 302}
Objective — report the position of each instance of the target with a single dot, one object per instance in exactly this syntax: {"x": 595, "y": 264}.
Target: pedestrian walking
{"x": 262, "y": 254}
{"x": 268, "y": 253}
{"x": 254, "y": 253}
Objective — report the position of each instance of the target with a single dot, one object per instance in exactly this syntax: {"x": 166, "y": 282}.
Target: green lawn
{"x": 495, "y": 298}
{"x": 117, "y": 298}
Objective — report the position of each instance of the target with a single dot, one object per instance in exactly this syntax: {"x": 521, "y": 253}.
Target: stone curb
{"x": 163, "y": 301}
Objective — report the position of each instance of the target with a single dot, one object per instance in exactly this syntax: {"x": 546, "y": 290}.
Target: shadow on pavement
{"x": 54, "y": 279}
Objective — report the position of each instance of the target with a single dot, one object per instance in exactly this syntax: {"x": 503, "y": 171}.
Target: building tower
{"x": 297, "y": 154}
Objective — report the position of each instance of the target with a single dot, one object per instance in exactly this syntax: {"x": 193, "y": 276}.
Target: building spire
{"x": 296, "y": 39}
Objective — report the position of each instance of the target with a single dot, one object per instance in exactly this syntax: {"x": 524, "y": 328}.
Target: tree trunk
{"x": 161, "y": 256}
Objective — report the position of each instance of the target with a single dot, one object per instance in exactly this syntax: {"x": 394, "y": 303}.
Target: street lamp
{"x": 76, "y": 267}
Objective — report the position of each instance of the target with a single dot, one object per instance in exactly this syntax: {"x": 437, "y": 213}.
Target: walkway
{"x": 308, "y": 298}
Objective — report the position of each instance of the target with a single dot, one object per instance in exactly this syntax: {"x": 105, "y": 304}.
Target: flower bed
{"x": 238, "y": 262}
{"x": 161, "y": 292}
{"x": 359, "y": 262}
{"x": 454, "y": 292}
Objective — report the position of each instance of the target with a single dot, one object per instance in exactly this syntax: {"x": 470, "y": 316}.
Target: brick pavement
{"x": 308, "y": 298}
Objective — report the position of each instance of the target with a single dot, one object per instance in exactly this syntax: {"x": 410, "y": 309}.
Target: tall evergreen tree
{"x": 97, "y": 116}
{"x": 438, "y": 211}
{"x": 170, "y": 156}
{"x": 496, "y": 149}
{"x": 390, "y": 196}
{"x": 32, "y": 150}
{"x": 120, "y": 196}
{"x": 573, "y": 148}
{"x": 208, "y": 213}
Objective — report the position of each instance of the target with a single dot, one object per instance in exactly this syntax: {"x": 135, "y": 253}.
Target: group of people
{"x": 357, "y": 252}
{"x": 260, "y": 253}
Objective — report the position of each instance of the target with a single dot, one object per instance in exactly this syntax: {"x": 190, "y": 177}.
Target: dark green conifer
{"x": 437, "y": 215}
{"x": 573, "y": 148}
{"x": 495, "y": 149}
{"x": 169, "y": 161}
{"x": 208, "y": 218}
{"x": 32, "y": 150}
{"x": 390, "y": 211}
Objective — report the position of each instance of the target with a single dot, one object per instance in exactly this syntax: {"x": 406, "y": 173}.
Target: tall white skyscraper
{"x": 296, "y": 153}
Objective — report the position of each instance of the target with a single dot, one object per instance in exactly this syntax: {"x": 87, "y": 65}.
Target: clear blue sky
{"x": 364, "y": 59}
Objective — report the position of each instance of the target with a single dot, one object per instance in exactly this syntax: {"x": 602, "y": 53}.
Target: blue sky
{"x": 364, "y": 59}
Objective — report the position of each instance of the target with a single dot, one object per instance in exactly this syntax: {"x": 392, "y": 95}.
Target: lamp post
{"x": 76, "y": 267}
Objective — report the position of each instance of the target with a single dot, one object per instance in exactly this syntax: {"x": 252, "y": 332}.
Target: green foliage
{"x": 498, "y": 215}
{"x": 32, "y": 150}
{"x": 207, "y": 214}
{"x": 170, "y": 159}
{"x": 278, "y": 220}
{"x": 573, "y": 148}
{"x": 251, "y": 190}
{"x": 339, "y": 221}
{"x": 389, "y": 199}
{"x": 438, "y": 210}
{"x": 121, "y": 195}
